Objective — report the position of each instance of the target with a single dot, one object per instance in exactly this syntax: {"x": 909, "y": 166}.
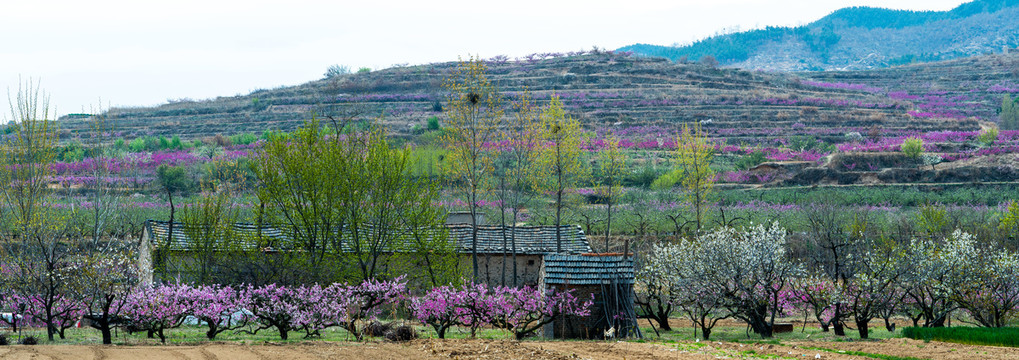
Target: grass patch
{"x": 861, "y": 353}
{"x": 966, "y": 335}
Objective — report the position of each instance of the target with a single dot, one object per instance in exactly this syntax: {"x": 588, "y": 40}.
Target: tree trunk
{"x": 558, "y": 221}
{"x": 861, "y": 326}
{"x": 890, "y": 326}
{"x": 513, "y": 244}
{"x": 663, "y": 318}
{"x": 608, "y": 223}
{"x": 104, "y": 328}
{"x": 474, "y": 234}
{"x": 837, "y": 321}
{"x": 706, "y": 332}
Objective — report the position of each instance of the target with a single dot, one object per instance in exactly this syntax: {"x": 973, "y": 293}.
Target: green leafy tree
{"x": 1009, "y": 113}
{"x": 344, "y": 198}
{"x": 693, "y": 171}
{"x": 613, "y": 165}
{"x": 559, "y": 161}
{"x": 209, "y": 225}
{"x": 473, "y": 116}
{"x": 524, "y": 136}
{"x": 173, "y": 180}
{"x": 1010, "y": 223}
{"x": 912, "y": 148}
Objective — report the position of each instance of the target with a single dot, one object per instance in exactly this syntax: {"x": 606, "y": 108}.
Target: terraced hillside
{"x": 603, "y": 89}
{"x": 957, "y": 89}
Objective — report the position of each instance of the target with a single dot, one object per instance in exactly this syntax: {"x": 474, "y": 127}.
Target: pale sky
{"x": 141, "y": 53}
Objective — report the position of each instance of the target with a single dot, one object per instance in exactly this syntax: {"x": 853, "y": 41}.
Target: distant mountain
{"x": 861, "y": 38}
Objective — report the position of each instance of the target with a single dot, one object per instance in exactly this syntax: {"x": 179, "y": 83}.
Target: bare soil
{"x": 508, "y": 349}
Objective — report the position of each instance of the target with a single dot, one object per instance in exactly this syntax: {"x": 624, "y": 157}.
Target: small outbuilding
{"x": 608, "y": 278}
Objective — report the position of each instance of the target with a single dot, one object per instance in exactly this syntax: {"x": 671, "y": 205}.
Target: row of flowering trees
{"x": 747, "y": 275}
{"x": 520, "y": 310}
{"x": 308, "y": 309}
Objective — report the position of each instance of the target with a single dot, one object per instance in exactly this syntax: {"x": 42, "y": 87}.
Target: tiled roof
{"x": 529, "y": 239}
{"x": 587, "y": 270}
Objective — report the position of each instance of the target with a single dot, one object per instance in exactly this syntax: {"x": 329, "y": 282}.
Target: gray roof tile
{"x": 529, "y": 239}
{"x": 587, "y": 270}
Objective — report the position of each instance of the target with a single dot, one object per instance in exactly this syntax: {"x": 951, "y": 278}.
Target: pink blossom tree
{"x": 438, "y": 307}
{"x": 525, "y": 310}
{"x": 272, "y": 306}
{"x": 156, "y": 309}
{"x": 218, "y": 307}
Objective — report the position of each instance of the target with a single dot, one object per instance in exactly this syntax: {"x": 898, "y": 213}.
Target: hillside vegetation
{"x": 601, "y": 89}
{"x": 860, "y": 38}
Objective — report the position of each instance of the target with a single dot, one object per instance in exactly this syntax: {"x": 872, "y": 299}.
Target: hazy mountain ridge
{"x": 861, "y": 38}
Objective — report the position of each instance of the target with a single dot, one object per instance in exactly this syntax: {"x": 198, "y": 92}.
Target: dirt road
{"x": 506, "y": 349}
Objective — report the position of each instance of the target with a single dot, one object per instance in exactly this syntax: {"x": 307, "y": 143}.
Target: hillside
{"x": 861, "y": 38}
{"x": 957, "y": 89}
{"x": 602, "y": 90}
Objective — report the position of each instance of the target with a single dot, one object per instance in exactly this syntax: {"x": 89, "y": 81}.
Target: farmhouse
{"x": 496, "y": 246}
{"x": 608, "y": 279}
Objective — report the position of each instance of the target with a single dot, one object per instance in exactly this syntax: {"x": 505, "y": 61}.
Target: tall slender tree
{"x": 473, "y": 116}
{"x": 693, "y": 170}
{"x": 559, "y": 160}
{"x": 1009, "y": 113}
{"x": 521, "y": 139}
{"x": 35, "y": 254}
{"x": 612, "y": 163}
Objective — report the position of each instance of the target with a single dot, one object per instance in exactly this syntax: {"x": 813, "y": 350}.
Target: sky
{"x": 90, "y": 55}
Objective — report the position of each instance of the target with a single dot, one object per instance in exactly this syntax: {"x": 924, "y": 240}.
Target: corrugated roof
{"x": 587, "y": 270}
{"x": 529, "y": 239}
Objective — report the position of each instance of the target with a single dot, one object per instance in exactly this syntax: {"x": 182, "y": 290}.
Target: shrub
{"x": 4, "y": 341}
{"x": 29, "y": 340}
{"x": 221, "y": 140}
{"x": 912, "y": 148}
{"x": 137, "y": 145}
{"x": 750, "y": 160}
{"x": 854, "y": 137}
{"x": 642, "y": 177}
{"x": 336, "y": 70}
{"x": 401, "y": 333}
{"x": 433, "y": 123}
{"x": 243, "y": 139}
{"x": 709, "y": 61}
{"x": 988, "y": 137}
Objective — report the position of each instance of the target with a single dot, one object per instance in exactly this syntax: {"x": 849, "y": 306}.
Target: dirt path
{"x": 508, "y": 349}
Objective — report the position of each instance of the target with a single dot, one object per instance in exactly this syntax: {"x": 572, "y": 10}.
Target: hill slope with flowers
{"x": 602, "y": 89}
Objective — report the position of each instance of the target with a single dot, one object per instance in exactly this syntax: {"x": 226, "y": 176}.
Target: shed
{"x": 606, "y": 277}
